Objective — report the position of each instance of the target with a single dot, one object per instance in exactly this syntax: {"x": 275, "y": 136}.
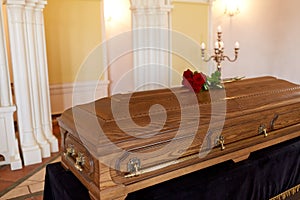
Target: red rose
{"x": 196, "y": 87}
{"x": 188, "y": 74}
{"x": 199, "y": 78}
{"x": 187, "y": 82}
{"x": 193, "y": 81}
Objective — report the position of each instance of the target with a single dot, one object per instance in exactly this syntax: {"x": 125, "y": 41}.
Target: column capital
{"x": 14, "y": 2}
{"x": 30, "y": 2}
{"x": 158, "y": 5}
{"x": 41, "y": 4}
{"x": 149, "y": 3}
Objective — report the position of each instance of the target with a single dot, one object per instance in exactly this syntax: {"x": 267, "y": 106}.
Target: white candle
{"x": 202, "y": 46}
{"x": 237, "y": 45}
{"x": 222, "y": 44}
{"x": 216, "y": 45}
{"x": 219, "y": 29}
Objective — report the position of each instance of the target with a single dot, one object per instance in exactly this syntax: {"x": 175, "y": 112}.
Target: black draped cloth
{"x": 265, "y": 174}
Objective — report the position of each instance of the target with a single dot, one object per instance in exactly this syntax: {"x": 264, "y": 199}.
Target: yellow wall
{"x": 191, "y": 20}
{"x": 73, "y": 30}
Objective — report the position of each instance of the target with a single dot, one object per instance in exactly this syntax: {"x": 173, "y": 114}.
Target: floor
{"x": 28, "y": 182}
{"x": 30, "y": 188}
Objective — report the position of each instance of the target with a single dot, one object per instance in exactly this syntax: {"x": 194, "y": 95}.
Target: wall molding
{"x": 61, "y": 95}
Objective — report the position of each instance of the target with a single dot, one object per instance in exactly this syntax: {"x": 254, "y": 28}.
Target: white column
{"x": 5, "y": 89}
{"x": 34, "y": 76}
{"x": 152, "y": 40}
{"x": 17, "y": 37}
{"x": 9, "y": 148}
{"x": 42, "y": 67}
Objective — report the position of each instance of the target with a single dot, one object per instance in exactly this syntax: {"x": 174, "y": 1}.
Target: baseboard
{"x": 67, "y": 95}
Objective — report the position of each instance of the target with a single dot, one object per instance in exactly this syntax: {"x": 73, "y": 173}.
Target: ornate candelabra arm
{"x": 203, "y": 54}
{"x": 236, "y": 51}
{"x": 207, "y": 59}
{"x": 231, "y": 60}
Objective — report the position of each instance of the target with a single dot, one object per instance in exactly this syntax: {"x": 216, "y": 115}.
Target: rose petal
{"x": 188, "y": 74}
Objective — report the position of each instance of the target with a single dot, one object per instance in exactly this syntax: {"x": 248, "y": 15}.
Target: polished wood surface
{"x": 251, "y": 106}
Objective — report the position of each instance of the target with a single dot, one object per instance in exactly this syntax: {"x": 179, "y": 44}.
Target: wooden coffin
{"x": 120, "y": 144}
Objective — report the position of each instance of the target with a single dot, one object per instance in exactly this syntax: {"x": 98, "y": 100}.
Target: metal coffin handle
{"x": 262, "y": 130}
{"x": 221, "y": 142}
{"x": 79, "y": 160}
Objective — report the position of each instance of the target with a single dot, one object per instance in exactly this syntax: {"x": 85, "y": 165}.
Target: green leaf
{"x": 205, "y": 86}
{"x": 214, "y": 81}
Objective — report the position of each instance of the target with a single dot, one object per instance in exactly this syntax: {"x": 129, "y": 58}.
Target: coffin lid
{"x": 97, "y": 124}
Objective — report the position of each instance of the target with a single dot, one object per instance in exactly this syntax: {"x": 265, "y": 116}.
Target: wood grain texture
{"x": 113, "y": 130}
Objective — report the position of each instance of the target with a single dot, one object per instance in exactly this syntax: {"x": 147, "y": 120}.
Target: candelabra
{"x": 219, "y": 56}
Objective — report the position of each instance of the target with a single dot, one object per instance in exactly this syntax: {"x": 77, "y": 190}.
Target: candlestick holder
{"x": 219, "y": 56}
